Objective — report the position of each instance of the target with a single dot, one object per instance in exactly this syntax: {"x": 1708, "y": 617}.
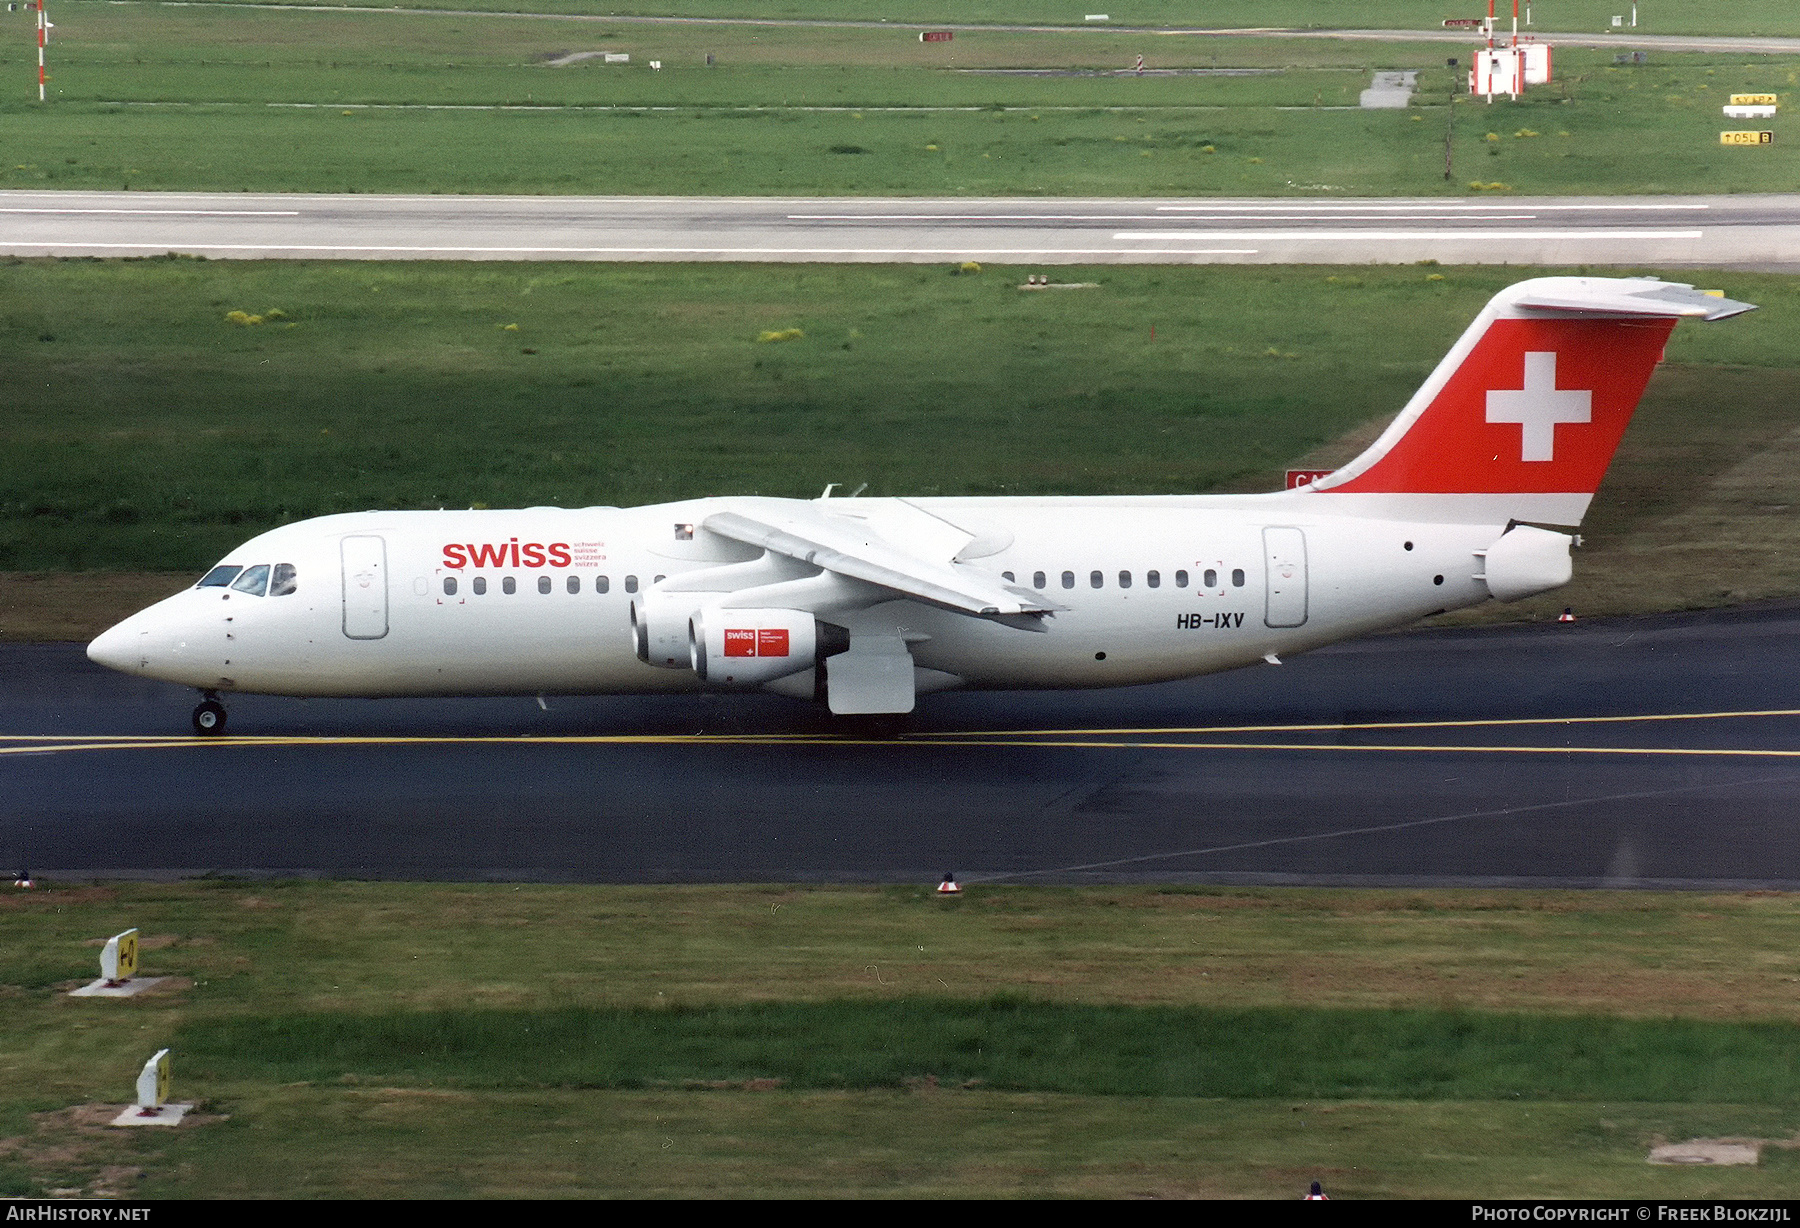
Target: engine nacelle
{"x": 659, "y": 627}
{"x": 746, "y": 648}
{"x": 1526, "y": 561}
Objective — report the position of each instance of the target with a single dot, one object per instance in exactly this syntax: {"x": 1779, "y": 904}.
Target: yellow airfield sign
{"x": 1746, "y": 138}
{"x": 1753, "y": 100}
{"x": 119, "y": 958}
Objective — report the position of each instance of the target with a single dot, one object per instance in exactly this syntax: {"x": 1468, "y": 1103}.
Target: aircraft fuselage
{"x": 540, "y": 600}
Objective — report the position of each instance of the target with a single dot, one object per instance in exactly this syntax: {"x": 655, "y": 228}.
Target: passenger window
{"x": 574, "y": 584}
{"x": 601, "y": 584}
{"x": 218, "y": 577}
{"x": 1068, "y": 579}
{"x": 1007, "y": 576}
{"x": 1095, "y": 579}
{"x": 1038, "y": 579}
{"x": 543, "y": 584}
{"x": 480, "y": 585}
{"x": 1209, "y": 578}
{"x": 284, "y": 581}
{"x": 253, "y": 581}
{"x": 508, "y": 585}
{"x": 1237, "y": 577}
{"x": 449, "y": 586}
{"x": 1153, "y": 579}
{"x": 631, "y": 584}
{"x": 1181, "y": 579}
{"x": 1124, "y": 579}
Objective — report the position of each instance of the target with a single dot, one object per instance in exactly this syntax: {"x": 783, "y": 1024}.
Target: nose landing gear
{"x": 209, "y": 717}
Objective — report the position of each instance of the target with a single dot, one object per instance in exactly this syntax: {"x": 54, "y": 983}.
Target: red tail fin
{"x": 1531, "y": 403}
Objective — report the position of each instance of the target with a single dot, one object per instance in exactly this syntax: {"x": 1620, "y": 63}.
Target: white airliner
{"x": 867, "y": 603}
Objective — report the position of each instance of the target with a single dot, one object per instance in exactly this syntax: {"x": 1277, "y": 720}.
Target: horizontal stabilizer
{"x": 1638, "y": 296}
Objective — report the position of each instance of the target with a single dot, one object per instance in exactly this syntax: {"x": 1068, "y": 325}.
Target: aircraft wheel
{"x": 209, "y": 719}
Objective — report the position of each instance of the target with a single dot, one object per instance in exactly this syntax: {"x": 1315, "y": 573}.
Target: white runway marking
{"x": 962, "y": 250}
{"x": 1273, "y": 236}
{"x": 1325, "y": 206}
{"x": 170, "y": 212}
{"x": 1276, "y": 213}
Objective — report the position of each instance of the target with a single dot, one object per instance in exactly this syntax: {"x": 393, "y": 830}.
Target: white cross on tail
{"x": 1539, "y": 406}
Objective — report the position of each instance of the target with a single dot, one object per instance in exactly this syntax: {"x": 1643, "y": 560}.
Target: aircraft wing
{"x": 851, "y": 548}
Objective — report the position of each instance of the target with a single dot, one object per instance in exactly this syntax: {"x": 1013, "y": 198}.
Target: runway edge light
{"x": 949, "y": 886}
{"x": 118, "y": 970}
{"x": 152, "y": 1107}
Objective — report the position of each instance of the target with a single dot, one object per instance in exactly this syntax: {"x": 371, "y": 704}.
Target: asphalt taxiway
{"x": 1761, "y": 231}
{"x": 1661, "y": 751}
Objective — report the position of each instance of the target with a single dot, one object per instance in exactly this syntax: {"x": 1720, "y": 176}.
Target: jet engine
{"x": 659, "y": 626}
{"x": 746, "y": 648}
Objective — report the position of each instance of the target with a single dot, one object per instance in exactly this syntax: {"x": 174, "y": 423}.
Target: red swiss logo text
{"x": 513, "y": 553}
{"x": 751, "y": 642}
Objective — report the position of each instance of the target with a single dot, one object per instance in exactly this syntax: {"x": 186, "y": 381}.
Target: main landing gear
{"x": 209, "y": 717}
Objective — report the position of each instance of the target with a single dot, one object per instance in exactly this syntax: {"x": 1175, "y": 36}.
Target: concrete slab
{"x": 1390, "y": 91}
{"x": 127, "y": 989}
{"x": 1707, "y": 1151}
{"x": 167, "y": 1115}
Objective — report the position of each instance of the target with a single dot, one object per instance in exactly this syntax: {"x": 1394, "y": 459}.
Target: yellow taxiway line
{"x": 1337, "y": 727}
{"x": 1065, "y": 739}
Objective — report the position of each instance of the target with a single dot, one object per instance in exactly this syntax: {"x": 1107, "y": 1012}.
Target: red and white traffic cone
{"x": 949, "y": 886}
{"x": 1567, "y": 616}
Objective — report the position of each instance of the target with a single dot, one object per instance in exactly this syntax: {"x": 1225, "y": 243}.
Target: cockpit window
{"x": 218, "y": 577}
{"x": 253, "y": 581}
{"x": 284, "y": 580}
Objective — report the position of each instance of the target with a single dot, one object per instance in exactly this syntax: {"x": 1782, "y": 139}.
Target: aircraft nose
{"x": 116, "y": 648}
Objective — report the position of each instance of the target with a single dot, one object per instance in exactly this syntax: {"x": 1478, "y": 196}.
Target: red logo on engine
{"x": 756, "y": 642}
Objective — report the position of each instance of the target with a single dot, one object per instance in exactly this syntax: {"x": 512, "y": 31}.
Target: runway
{"x": 1702, "y": 231}
{"x": 1659, "y": 751}
{"x": 1731, "y": 44}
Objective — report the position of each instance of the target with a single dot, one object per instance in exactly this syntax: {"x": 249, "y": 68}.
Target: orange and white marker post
{"x": 43, "y": 25}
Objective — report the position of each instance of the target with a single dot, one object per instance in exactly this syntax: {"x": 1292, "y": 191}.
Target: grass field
{"x": 141, "y": 430}
{"x": 157, "y": 97}
{"x": 411, "y": 1039}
